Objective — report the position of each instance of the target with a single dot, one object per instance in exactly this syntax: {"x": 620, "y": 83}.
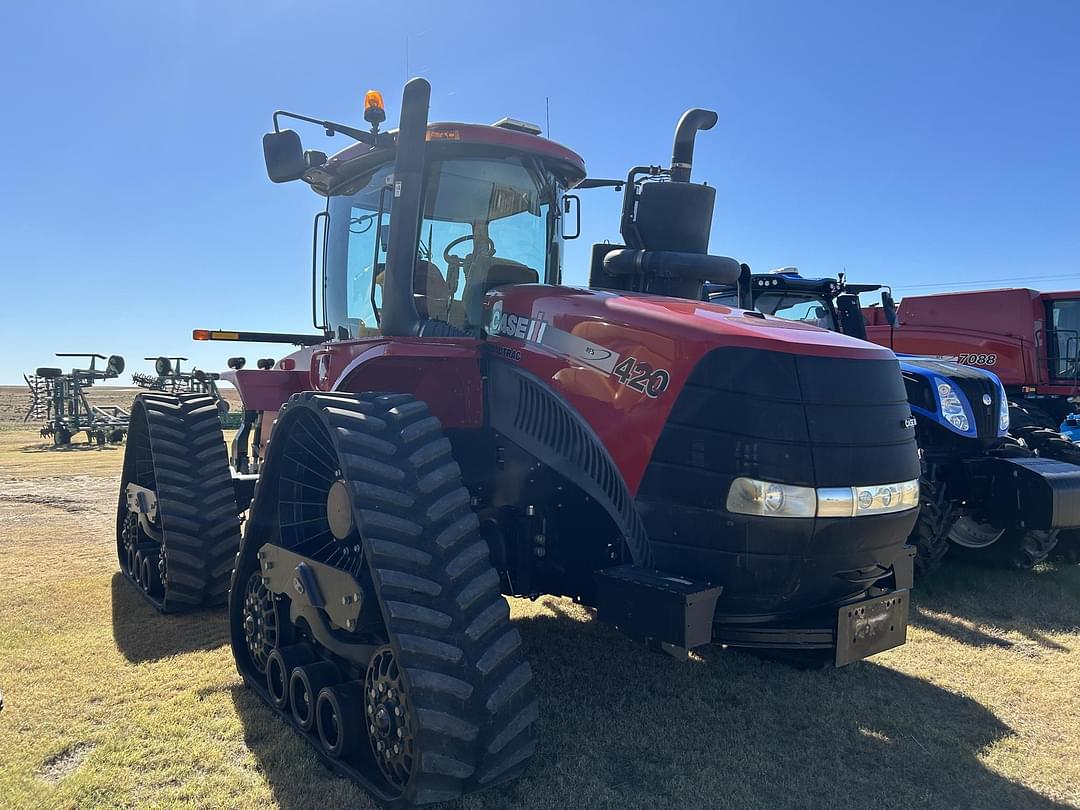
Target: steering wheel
{"x": 449, "y": 257}
{"x": 455, "y": 263}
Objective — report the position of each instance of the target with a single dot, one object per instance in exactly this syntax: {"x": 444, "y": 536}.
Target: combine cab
{"x": 464, "y": 426}
{"x": 990, "y": 495}
{"x": 59, "y": 400}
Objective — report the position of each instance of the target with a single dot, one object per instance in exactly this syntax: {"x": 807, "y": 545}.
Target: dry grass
{"x": 107, "y": 704}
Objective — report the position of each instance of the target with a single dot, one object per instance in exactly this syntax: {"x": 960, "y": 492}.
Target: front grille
{"x": 974, "y": 383}
{"x": 800, "y": 419}
{"x": 986, "y": 416}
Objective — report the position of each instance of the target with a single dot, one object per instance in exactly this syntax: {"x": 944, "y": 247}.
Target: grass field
{"x": 107, "y": 704}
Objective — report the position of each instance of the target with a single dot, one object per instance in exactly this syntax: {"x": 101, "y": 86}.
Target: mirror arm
{"x": 331, "y": 128}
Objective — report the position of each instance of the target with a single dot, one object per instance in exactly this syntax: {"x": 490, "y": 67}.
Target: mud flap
{"x": 871, "y": 626}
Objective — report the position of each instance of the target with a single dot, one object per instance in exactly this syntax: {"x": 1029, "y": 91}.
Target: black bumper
{"x": 843, "y": 626}
{"x": 780, "y": 567}
{"x": 1031, "y": 493}
{"x": 685, "y": 613}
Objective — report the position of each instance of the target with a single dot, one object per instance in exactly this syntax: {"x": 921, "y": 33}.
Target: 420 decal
{"x": 642, "y": 377}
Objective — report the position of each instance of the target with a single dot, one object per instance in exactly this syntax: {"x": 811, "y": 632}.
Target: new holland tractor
{"x": 980, "y": 490}
{"x": 464, "y": 426}
{"x": 1030, "y": 339}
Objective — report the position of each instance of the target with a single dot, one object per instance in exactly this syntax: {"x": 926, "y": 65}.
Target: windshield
{"x": 797, "y": 306}
{"x": 1064, "y": 339}
{"x": 487, "y": 221}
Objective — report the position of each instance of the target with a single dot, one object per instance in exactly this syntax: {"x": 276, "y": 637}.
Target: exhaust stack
{"x": 682, "y": 153}
{"x": 399, "y": 317}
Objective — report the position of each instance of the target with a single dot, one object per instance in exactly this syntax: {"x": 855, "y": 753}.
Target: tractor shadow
{"x": 143, "y": 634}
{"x": 979, "y": 606}
{"x": 625, "y": 728}
{"x": 297, "y": 776}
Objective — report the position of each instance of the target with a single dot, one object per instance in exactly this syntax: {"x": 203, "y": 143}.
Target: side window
{"x": 807, "y": 311}
{"x": 1065, "y": 339}
{"x": 522, "y": 237}
{"x": 351, "y": 266}
{"x": 359, "y": 267}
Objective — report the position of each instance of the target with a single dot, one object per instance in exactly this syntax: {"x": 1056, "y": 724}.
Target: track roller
{"x": 279, "y": 668}
{"x": 305, "y": 683}
{"x": 339, "y": 712}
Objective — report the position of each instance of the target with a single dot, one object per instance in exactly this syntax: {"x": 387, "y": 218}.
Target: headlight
{"x": 749, "y": 496}
{"x": 1003, "y": 410}
{"x": 952, "y": 408}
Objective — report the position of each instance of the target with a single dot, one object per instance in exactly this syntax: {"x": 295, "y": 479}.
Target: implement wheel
{"x": 431, "y": 694}
{"x": 176, "y": 453}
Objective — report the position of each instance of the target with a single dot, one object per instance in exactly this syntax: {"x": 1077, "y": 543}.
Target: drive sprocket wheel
{"x": 368, "y": 484}
{"x": 176, "y": 450}
{"x": 391, "y": 726}
{"x": 260, "y": 621}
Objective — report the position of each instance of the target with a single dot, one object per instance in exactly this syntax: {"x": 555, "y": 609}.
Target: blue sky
{"x": 923, "y": 144}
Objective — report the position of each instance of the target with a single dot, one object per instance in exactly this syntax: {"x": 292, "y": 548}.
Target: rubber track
{"x": 196, "y": 501}
{"x": 445, "y": 616}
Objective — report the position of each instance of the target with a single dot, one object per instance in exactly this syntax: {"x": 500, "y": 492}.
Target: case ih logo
{"x": 627, "y": 370}
{"x": 516, "y": 326}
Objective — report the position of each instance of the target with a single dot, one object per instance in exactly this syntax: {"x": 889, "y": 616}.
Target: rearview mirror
{"x": 888, "y": 306}
{"x": 571, "y": 207}
{"x": 284, "y": 155}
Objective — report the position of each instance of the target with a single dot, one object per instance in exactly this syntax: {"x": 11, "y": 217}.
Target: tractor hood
{"x": 670, "y": 330}
{"x": 622, "y": 361}
{"x": 965, "y": 400}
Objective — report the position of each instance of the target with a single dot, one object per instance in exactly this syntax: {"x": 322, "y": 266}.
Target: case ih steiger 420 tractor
{"x": 986, "y": 493}
{"x": 464, "y": 426}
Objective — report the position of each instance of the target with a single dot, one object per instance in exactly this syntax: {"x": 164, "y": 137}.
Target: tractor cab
{"x": 490, "y": 216}
{"x": 490, "y": 205}
{"x": 828, "y": 303}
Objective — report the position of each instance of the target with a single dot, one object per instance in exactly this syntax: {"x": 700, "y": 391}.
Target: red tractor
{"x": 1031, "y": 340}
{"x": 464, "y": 426}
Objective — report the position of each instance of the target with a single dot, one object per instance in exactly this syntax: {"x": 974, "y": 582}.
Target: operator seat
{"x": 430, "y": 291}
{"x": 498, "y": 274}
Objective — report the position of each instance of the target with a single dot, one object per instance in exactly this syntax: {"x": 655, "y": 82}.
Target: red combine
{"x": 1029, "y": 339}
{"x": 465, "y": 426}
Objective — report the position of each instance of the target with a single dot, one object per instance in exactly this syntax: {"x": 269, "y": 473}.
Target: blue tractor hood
{"x": 968, "y": 401}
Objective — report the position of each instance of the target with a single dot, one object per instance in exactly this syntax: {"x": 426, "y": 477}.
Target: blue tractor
{"x": 981, "y": 491}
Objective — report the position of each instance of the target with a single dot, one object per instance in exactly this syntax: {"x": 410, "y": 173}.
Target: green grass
{"x": 108, "y": 704}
